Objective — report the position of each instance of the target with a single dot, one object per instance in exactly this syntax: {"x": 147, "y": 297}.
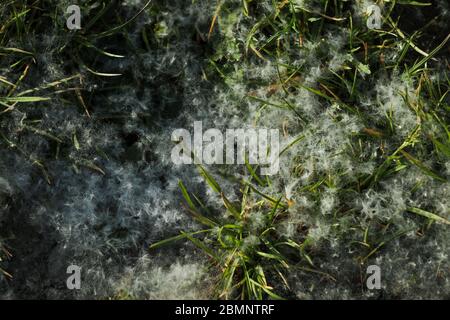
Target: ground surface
{"x": 86, "y": 175}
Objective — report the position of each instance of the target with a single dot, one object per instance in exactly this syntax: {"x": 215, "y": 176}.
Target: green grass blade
{"x": 175, "y": 238}
{"x": 429, "y": 215}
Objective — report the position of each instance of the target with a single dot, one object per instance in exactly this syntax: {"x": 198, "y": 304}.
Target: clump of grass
{"x": 246, "y": 244}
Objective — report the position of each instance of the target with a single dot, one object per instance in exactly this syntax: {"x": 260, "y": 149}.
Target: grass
{"x": 5, "y": 254}
{"x": 24, "y": 18}
{"x": 244, "y": 241}
{"x": 269, "y": 38}
{"x": 23, "y": 93}
{"x": 242, "y": 249}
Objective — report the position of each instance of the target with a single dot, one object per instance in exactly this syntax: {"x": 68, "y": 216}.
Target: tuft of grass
{"x": 245, "y": 244}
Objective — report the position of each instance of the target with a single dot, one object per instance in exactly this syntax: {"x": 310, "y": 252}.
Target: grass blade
{"x": 429, "y": 215}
